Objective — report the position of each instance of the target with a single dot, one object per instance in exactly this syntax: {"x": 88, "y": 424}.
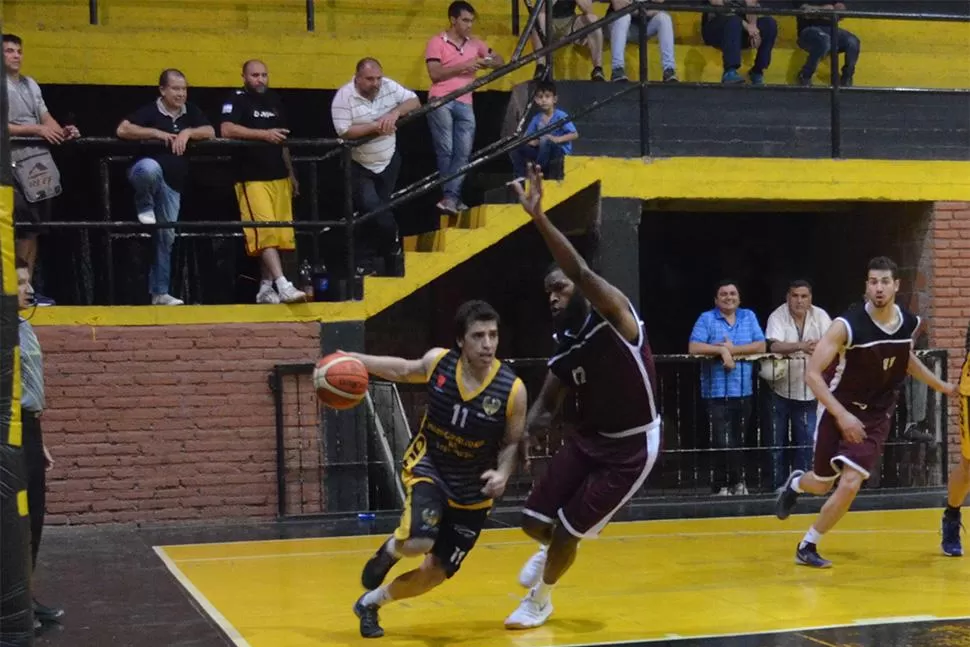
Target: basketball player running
{"x": 603, "y": 357}
{"x": 959, "y": 482}
{"x": 460, "y": 459}
{"x": 873, "y": 344}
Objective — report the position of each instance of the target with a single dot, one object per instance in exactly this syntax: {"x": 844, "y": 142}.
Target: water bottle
{"x": 321, "y": 283}
{"x": 306, "y": 279}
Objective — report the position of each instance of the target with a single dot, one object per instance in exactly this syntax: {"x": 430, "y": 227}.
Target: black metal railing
{"x": 343, "y": 148}
{"x": 692, "y": 464}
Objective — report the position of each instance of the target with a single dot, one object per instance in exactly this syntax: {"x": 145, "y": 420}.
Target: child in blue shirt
{"x": 552, "y": 146}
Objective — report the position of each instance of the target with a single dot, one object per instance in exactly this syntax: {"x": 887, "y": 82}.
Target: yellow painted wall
{"x": 210, "y": 38}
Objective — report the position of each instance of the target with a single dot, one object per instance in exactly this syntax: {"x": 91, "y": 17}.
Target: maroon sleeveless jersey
{"x": 613, "y": 380}
{"x": 873, "y": 364}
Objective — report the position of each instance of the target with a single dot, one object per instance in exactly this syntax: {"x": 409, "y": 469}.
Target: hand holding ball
{"x": 341, "y": 381}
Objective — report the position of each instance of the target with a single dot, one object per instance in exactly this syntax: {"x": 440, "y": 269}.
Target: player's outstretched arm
{"x": 606, "y": 298}
{"x": 921, "y": 372}
{"x": 497, "y": 479}
{"x": 398, "y": 369}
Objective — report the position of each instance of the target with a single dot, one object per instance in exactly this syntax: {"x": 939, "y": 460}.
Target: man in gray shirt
{"x": 36, "y": 456}
{"x": 28, "y": 117}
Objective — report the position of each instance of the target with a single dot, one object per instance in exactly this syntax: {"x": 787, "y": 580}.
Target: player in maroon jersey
{"x": 865, "y": 355}
{"x": 604, "y": 359}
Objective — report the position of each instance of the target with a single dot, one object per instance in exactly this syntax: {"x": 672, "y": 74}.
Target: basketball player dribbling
{"x": 958, "y": 484}
{"x": 855, "y": 372}
{"x": 459, "y": 460}
{"x": 604, "y": 359}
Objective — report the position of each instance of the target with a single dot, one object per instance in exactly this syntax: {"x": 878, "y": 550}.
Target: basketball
{"x": 340, "y": 380}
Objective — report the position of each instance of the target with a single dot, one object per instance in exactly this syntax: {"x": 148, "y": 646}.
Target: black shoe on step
{"x": 377, "y": 567}
{"x": 45, "y": 613}
{"x": 370, "y": 624}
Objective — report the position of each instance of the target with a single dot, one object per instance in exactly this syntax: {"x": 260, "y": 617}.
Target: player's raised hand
{"x": 495, "y": 482}
{"x": 531, "y": 199}
{"x": 852, "y": 428}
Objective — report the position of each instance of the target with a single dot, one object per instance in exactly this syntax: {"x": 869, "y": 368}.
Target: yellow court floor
{"x": 648, "y": 580}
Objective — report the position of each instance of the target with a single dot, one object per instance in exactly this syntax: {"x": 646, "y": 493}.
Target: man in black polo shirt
{"x": 265, "y": 183}
{"x": 159, "y": 176}
{"x": 815, "y": 37}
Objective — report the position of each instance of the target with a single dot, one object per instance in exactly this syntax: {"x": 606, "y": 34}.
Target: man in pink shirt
{"x": 452, "y": 58}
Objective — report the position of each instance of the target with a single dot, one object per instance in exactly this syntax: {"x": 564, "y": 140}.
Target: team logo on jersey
{"x": 491, "y": 405}
{"x": 430, "y": 517}
{"x": 441, "y": 380}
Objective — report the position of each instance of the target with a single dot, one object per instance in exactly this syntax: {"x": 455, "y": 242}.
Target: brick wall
{"x": 950, "y": 289}
{"x": 164, "y": 423}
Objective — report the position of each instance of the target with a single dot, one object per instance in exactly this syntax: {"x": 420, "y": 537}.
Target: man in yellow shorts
{"x": 959, "y": 481}
{"x": 265, "y": 182}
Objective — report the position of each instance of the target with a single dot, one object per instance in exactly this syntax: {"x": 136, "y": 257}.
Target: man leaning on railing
{"x": 158, "y": 177}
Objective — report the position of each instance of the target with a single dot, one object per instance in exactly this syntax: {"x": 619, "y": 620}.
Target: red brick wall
{"x": 168, "y": 422}
{"x": 950, "y": 289}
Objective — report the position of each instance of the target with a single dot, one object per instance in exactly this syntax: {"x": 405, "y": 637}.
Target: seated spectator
{"x": 732, "y": 32}
{"x": 815, "y": 37}
{"x": 659, "y": 25}
{"x": 158, "y": 177}
{"x": 36, "y": 179}
{"x": 548, "y": 150}
{"x": 565, "y": 21}
{"x": 725, "y": 333}
{"x": 371, "y": 105}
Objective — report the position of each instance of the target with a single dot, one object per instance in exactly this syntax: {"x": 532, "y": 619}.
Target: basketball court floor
{"x": 722, "y": 581}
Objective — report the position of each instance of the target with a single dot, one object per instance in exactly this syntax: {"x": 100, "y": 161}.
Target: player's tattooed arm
{"x": 399, "y": 369}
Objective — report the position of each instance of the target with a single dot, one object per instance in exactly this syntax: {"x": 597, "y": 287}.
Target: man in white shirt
{"x": 371, "y": 105}
{"x": 793, "y": 330}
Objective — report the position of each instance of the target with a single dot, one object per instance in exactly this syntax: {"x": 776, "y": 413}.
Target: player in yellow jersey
{"x": 458, "y": 462}
{"x": 959, "y": 481}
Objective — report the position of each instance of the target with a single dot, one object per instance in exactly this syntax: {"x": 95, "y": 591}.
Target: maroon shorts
{"x": 832, "y": 451}
{"x": 591, "y": 477}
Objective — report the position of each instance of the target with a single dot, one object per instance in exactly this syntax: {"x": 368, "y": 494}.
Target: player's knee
{"x": 432, "y": 571}
{"x": 416, "y": 546}
{"x": 562, "y": 537}
{"x": 851, "y": 480}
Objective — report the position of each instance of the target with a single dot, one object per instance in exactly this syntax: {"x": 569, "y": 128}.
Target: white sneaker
{"x": 533, "y": 568}
{"x": 267, "y": 294}
{"x": 166, "y": 300}
{"x": 289, "y": 293}
{"x": 741, "y": 489}
{"x": 530, "y": 613}
{"x": 147, "y": 217}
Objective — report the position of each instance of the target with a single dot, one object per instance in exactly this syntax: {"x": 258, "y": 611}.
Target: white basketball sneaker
{"x": 531, "y": 612}
{"x": 532, "y": 570}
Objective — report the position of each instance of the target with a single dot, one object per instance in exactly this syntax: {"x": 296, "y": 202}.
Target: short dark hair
{"x": 552, "y": 267}
{"x": 884, "y": 264}
{"x": 799, "y": 283}
{"x": 21, "y": 264}
{"x": 166, "y": 74}
{"x": 455, "y": 8}
{"x": 13, "y": 38}
{"x": 364, "y": 61}
{"x": 471, "y": 311}
{"x": 546, "y": 86}
{"x": 723, "y": 283}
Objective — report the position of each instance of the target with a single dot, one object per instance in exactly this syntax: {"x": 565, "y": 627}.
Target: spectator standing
{"x": 793, "y": 330}
{"x": 452, "y": 58}
{"x": 736, "y": 31}
{"x": 158, "y": 177}
{"x": 725, "y": 333}
{"x": 367, "y": 106}
{"x": 815, "y": 37}
{"x": 265, "y": 182}
{"x": 36, "y": 178}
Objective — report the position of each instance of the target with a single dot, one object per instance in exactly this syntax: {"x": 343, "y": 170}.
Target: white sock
{"x": 281, "y": 283}
{"x": 543, "y": 592}
{"x": 265, "y": 283}
{"x": 378, "y": 597}
{"x": 796, "y": 484}
{"x": 811, "y": 537}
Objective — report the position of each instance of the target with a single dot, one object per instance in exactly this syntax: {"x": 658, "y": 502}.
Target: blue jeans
{"x": 452, "y": 133}
{"x": 728, "y": 418}
{"x": 817, "y": 41}
{"x": 544, "y": 154}
{"x": 152, "y": 194}
{"x": 728, "y": 34}
{"x": 801, "y": 416}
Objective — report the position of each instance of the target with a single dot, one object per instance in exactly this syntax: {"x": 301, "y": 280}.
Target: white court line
{"x": 677, "y": 637}
{"x": 231, "y": 632}
{"x": 672, "y": 535}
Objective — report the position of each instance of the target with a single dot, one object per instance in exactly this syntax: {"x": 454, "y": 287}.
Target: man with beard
{"x": 603, "y": 358}
{"x": 369, "y": 106}
{"x": 865, "y": 355}
{"x": 265, "y": 182}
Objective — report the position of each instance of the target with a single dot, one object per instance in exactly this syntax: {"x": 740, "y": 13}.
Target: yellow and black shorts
{"x": 266, "y": 201}
{"x": 965, "y": 426}
{"x": 429, "y": 515}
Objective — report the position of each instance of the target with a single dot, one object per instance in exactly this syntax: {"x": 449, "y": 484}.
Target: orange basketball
{"x": 340, "y": 380}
